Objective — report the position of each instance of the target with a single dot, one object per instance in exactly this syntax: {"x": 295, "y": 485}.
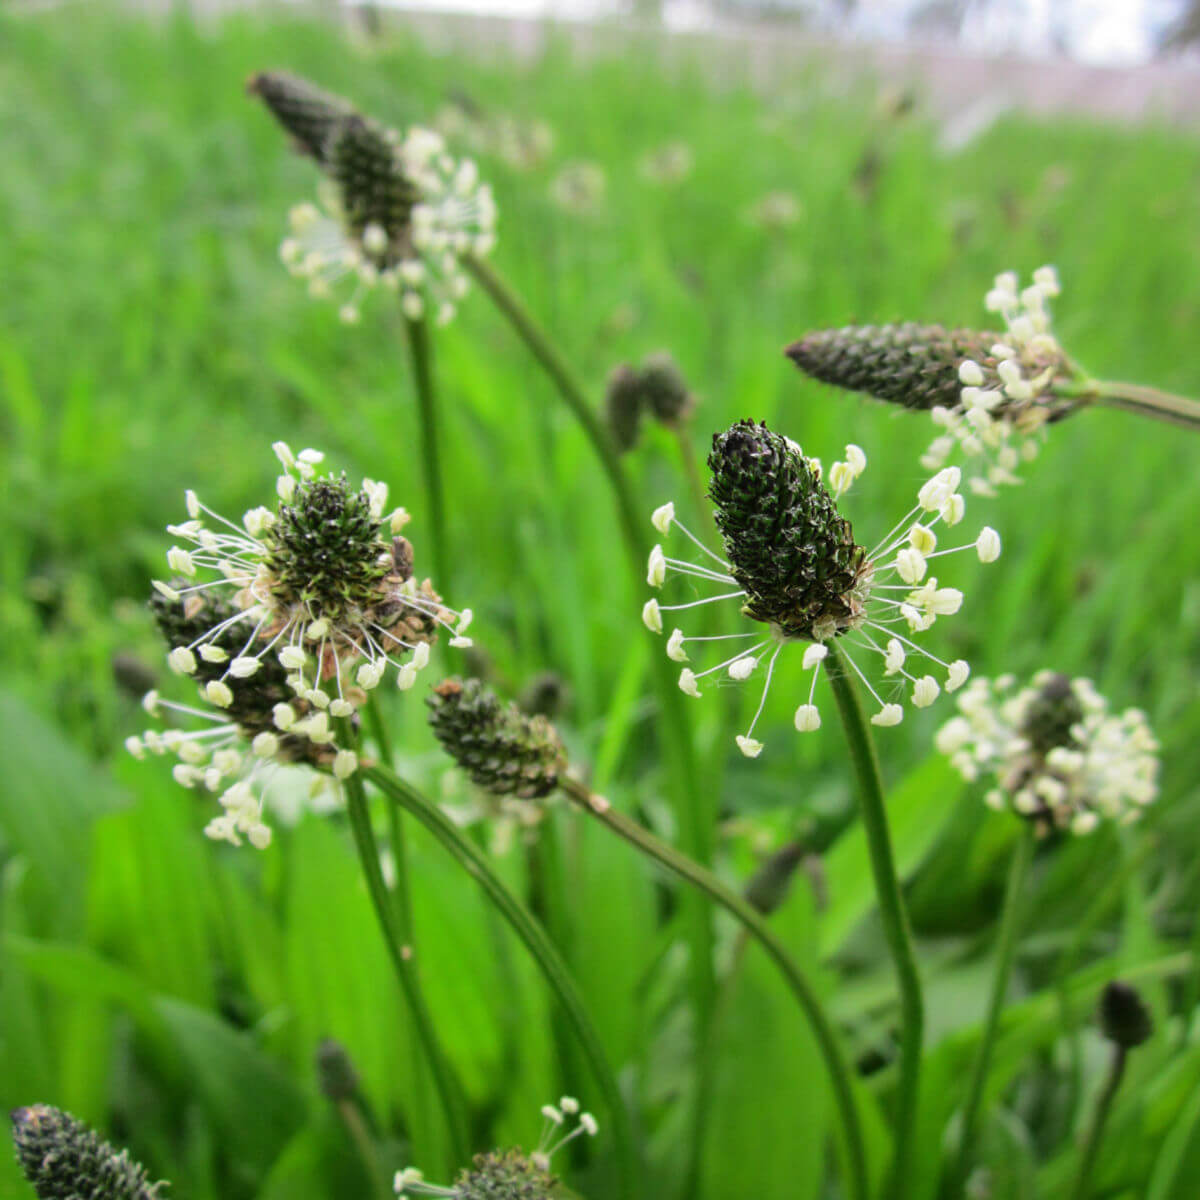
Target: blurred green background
{"x": 173, "y": 991}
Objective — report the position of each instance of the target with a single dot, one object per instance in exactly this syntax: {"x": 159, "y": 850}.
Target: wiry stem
{"x": 1006, "y": 944}
{"x": 421, "y": 356}
{"x": 752, "y": 921}
{"x": 1135, "y": 398}
{"x": 892, "y": 912}
{"x": 388, "y": 914}
{"x": 681, "y": 771}
{"x": 553, "y": 969}
{"x": 1091, "y": 1147}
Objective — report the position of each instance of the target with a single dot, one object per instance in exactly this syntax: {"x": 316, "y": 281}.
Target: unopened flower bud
{"x": 1124, "y": 1017}
{"x": 623, "y": 406}
{"x": 664, "y": 390}
{"x": 336, "y": 1076}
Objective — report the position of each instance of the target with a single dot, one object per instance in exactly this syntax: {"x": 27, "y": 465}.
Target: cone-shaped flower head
{"x": 788, "y": 546}
{"x": 504, "y": 751}
{"x": 796, "y": 568}
{"x": 398, "y": 211}
{"x": 65, "y": 1160}
{"x": 304, "y": 110}
{"x": 1057, "y": 756}
{"x": 510, "y": 1174}
{"x": 1124, "y": 1017}
{"x": 912, "y": 365}
{"x": 990, "y": 394}
{"x": 285, "y": 621}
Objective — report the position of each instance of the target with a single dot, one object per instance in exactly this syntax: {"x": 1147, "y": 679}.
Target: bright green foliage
{"x": 150, "y": 341}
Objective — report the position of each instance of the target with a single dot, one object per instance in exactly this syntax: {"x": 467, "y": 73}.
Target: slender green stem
{"x": 1091, "y": 1147}
{"x": 695, "y": 485}
{"x": 754, "y": 924}
{"x": 379, "y": 729}
{"x": 356, "y": 1129}
{"x": 1006, "y": 945}
{"x": 682, "y": 775}
{"x": 892, "y": 912}
{"x": 400, "y": 952}
{"x": 421, "y": 355}
{"x": 549, "y": 961}
{"x": 1135, "y": 398}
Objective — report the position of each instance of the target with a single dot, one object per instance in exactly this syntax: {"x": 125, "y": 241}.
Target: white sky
{"x": 1108, "y": 32}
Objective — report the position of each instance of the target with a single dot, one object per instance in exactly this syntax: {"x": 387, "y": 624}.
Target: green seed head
{"x": 913, "y": 365}
{"x": 623, "y": 406}
{"x": 304, "y": 110}
{"x": 503, "y": 750}
{"x": 504, "y": 1175}
{"x": 1124, "y": 1018}
{"x": 65, "y": 1160}
{"x": 665, "y": 391}
{"x": 1051, "y": 715}
{"x": 373, "y": 187}
{"x": 326, "y": 552}
{"x": 786, "y": 542}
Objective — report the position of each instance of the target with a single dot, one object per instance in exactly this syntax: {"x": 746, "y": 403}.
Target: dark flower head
{"x": 303, "y": 109}
{"x": 503, "y": 750}
{"x": 65, "y": 1160}
{"x": 399, "y": 211}
{"x": 787, "y": 544}
{"x": 1124, "y": 1017}
{"x": 990, "y": 394}
{"x": 794, "y": 565}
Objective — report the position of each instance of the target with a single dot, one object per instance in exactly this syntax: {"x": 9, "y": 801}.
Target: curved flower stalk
{"x": 396, "y": 210}
{"x": 510, "y": 1174}
{"x": 474, "y": 728}
{"x": 1056, "y": 754}
{"x": 286, "y": 621}
{"x": 794, "y": 567}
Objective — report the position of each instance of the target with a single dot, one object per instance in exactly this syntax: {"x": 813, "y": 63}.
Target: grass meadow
{"x": 173, "y": 991}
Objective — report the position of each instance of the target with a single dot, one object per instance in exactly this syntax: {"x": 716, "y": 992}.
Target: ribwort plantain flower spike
{"x": 286, "y": 622}
{"x": 990, "y": 394}
{"x": 794, "y": 566}
{"x": 397, "y": 211}
{"x": 504, "y": 751}
{"x": 510, "y": 1174}
{"x": 309, "y": 114}
{"x": 65, "y": 1160}
{"x": 1056, "y": 755}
